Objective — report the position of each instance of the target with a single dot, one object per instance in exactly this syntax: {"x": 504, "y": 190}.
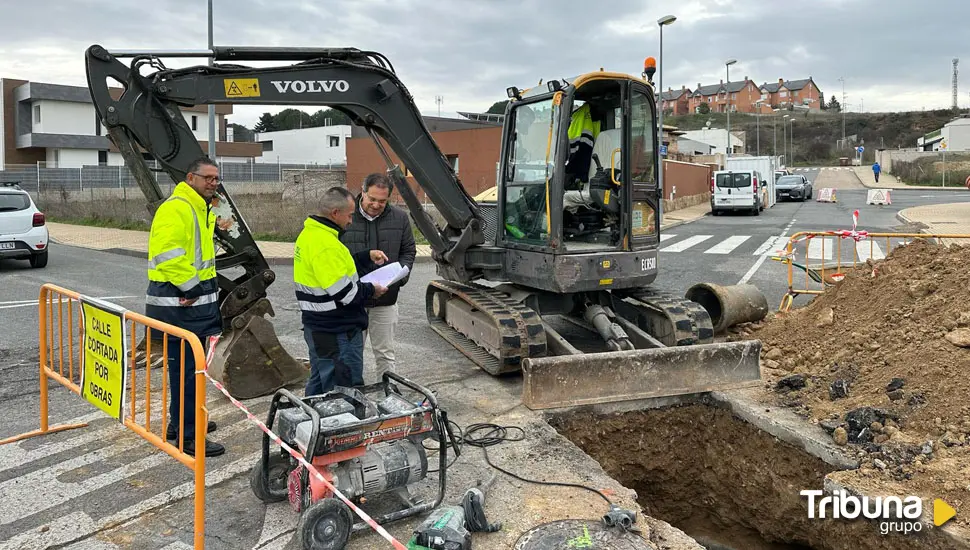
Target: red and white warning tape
{"x": 296, "y": 454}
{"x": 856, "y": 235}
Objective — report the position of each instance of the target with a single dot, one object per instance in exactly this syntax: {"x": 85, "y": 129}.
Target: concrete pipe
{"x": 729, "y": 305}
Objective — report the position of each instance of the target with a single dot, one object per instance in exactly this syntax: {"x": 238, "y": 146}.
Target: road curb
{"x": 682, "y": 222}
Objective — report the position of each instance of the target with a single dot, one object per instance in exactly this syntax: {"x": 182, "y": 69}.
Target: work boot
{"x": 211, "y": 448}
{"x": 172, "y": 431}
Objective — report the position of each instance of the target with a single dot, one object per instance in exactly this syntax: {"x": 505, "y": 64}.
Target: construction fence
{"x": 817, "y": 260}
{"x": 41, "y": 177}
{"x": 91, "y": 347}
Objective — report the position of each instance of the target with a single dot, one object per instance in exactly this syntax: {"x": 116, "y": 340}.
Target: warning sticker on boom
{"x": 241, "y": 87}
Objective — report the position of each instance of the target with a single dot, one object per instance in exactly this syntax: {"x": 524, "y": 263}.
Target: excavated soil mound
{"x": 882, "y": 362}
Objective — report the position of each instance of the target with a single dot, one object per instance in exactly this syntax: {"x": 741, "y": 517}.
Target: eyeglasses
{"x": 208, "y": 179}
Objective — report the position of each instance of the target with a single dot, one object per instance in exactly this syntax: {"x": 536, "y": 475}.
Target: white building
{"x": 955, "y": 133}
{"x": 321, "y": 145}
{"x": 717, "y": 138}
{"x": 57, "y": 125}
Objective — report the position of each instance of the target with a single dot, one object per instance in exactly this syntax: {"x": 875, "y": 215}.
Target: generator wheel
{"x": 275, "y": 488}
{"x": 325, "y": 525}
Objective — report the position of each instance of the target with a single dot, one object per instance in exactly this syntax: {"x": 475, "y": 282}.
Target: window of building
{"x": 195, "y": 123}
{"x": 267, "y": 145}
{"x": 334, "y": 141}
{"x": 36, "y": 114}
{"x": 453, "y": 160}
{"x": 102, "y": 158}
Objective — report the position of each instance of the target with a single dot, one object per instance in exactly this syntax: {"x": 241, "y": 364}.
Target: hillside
{"x": 816, "y": 134}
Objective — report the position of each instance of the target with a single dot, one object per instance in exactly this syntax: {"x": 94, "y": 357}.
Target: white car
{"x": 23, "y": 227}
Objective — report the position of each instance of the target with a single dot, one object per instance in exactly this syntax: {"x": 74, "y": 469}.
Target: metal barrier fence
{"x": 826, "y": 247}
{"x": 40, "y": 177}
{"x": 89, "y": 346}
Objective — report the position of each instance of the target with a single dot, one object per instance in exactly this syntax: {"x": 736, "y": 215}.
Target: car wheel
{"x": 39, "y": 260}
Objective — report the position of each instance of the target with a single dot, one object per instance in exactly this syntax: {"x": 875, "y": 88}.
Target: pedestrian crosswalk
{"x": 818, "y": 248}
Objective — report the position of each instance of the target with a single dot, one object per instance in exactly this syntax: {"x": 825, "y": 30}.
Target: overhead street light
{"x": 727, "y": 68}
{"x": 665, "y": 20}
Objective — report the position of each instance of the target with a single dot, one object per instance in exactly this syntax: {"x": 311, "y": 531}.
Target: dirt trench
{"x": 723, "y": 481}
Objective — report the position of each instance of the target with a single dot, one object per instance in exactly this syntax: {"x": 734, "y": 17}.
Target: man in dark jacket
{"x": 381, "y": 226}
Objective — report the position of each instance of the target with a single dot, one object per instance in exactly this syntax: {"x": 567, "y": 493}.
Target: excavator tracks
{"x": 672, "y": 320}
{"x": 497, "y": 332}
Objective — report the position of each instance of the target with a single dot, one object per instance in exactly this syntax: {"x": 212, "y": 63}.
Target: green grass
{"x": 418, "y": 237}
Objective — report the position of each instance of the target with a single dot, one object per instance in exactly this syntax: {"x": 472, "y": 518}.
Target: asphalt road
{"x": 99, "y": 486}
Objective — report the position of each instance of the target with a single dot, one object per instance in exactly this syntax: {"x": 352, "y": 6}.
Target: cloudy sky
{"x": 894, "y": 54}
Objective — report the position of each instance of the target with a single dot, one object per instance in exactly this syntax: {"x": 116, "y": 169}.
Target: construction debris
{"x": 880, "y": 362}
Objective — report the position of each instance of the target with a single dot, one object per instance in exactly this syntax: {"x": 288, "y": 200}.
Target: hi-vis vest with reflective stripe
{"x": 326, "y": 281}
{"x": 181, "y": 263}
{"x": 582, "y": 134}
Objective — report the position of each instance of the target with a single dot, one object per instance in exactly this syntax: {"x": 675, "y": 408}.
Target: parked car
{"x": 738, "y": 190}
{"x": 793, "y": 187}
{"x": 23, "y": 227}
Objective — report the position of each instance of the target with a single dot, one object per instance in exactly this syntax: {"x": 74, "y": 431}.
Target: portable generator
{"x": 364, "y": 441}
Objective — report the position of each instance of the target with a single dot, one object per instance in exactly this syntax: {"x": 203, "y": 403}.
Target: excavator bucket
{"x": 594, "y": 378}
{"x": 250, "y": 361}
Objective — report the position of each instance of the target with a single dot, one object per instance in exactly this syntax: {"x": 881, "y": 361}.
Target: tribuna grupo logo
{"x": 895, "y": 514}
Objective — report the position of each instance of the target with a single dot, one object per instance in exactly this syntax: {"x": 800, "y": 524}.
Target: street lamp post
{"x": 727, "y": 68}
{"x": 757, "y": 105}
{"x": 784, "y": 137}
{"x": 663, "y": 21}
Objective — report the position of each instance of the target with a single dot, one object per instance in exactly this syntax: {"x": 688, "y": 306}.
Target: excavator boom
{"x": 141, "y": 113}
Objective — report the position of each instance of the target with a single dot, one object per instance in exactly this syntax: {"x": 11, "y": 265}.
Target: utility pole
{"x": 842, "y": 108}
{"x": 439, "y": 100}
{"x": 727, "y": 89}
{"x": 212, "y": 107}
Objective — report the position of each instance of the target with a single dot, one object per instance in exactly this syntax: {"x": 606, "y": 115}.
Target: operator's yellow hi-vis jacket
{"x": 328, "y": 289}
{"x": 182, "y": 264}
{"x": 582, "y": 134}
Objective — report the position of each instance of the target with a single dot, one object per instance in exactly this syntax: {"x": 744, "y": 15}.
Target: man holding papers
{"x": 378, "y": 225}
{"x": 331, "y": 295}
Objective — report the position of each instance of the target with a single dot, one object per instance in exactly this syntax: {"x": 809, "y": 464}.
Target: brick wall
{"x": 477, "y": 150}
{"x": 689, "y": 179}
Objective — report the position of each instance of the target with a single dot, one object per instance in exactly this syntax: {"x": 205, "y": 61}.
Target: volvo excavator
{"x": 551, "y": 280}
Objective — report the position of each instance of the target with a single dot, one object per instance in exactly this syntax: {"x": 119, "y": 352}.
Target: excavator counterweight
{"x": 552, "y": 278}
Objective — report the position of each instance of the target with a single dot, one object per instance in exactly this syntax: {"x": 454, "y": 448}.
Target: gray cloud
{"x": 893, "y": 54}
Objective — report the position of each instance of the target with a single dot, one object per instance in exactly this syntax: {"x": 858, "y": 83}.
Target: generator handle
{"x": 314, "y": 424}
{"x": 413, "y": 385}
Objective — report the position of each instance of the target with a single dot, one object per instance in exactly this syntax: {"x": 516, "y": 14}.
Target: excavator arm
{"x": 142, "y": 115}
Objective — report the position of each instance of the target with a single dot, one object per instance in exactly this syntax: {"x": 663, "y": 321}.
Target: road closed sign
{"x": 103, "y": 374}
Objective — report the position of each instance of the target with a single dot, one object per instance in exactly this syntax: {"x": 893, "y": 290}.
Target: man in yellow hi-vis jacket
{"x": 183, "y": 290}
{"x": 331, "y": 296}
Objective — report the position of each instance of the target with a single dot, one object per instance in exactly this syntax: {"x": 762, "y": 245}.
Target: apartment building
{"x": 57, "y": 125}
{"x": 676, "y": 101}
{"x": 783, "y": 94}
{"x": 740, "y": 95}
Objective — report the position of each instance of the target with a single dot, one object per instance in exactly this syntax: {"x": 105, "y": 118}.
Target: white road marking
{"x": 29, "y": 303}
{"x": 20, "y": 494}
{"x": 820, "y": 248}
{"x": 727, "y": 245}
{"x": 278, "y": 521}
{"x": 79, "y": 525}
{"x": 686, "y": 243}
{"x": 665, "y": 236}
{"x": 764, "y": 256}
{"x": 862, "y": 248}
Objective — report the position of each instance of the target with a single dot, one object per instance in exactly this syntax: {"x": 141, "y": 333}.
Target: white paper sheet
{"x": 386, "y": 275}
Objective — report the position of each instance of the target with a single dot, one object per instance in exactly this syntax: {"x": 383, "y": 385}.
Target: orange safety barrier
{"x": 101, "y": 360}
{"x": 833, "y": 260}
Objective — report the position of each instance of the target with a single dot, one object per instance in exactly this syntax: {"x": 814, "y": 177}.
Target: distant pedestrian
{"x": 385, "y": 227}
{"x": 875, "y": 170}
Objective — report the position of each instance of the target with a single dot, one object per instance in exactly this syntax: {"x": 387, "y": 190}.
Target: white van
{"x": 738, "y": 190}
